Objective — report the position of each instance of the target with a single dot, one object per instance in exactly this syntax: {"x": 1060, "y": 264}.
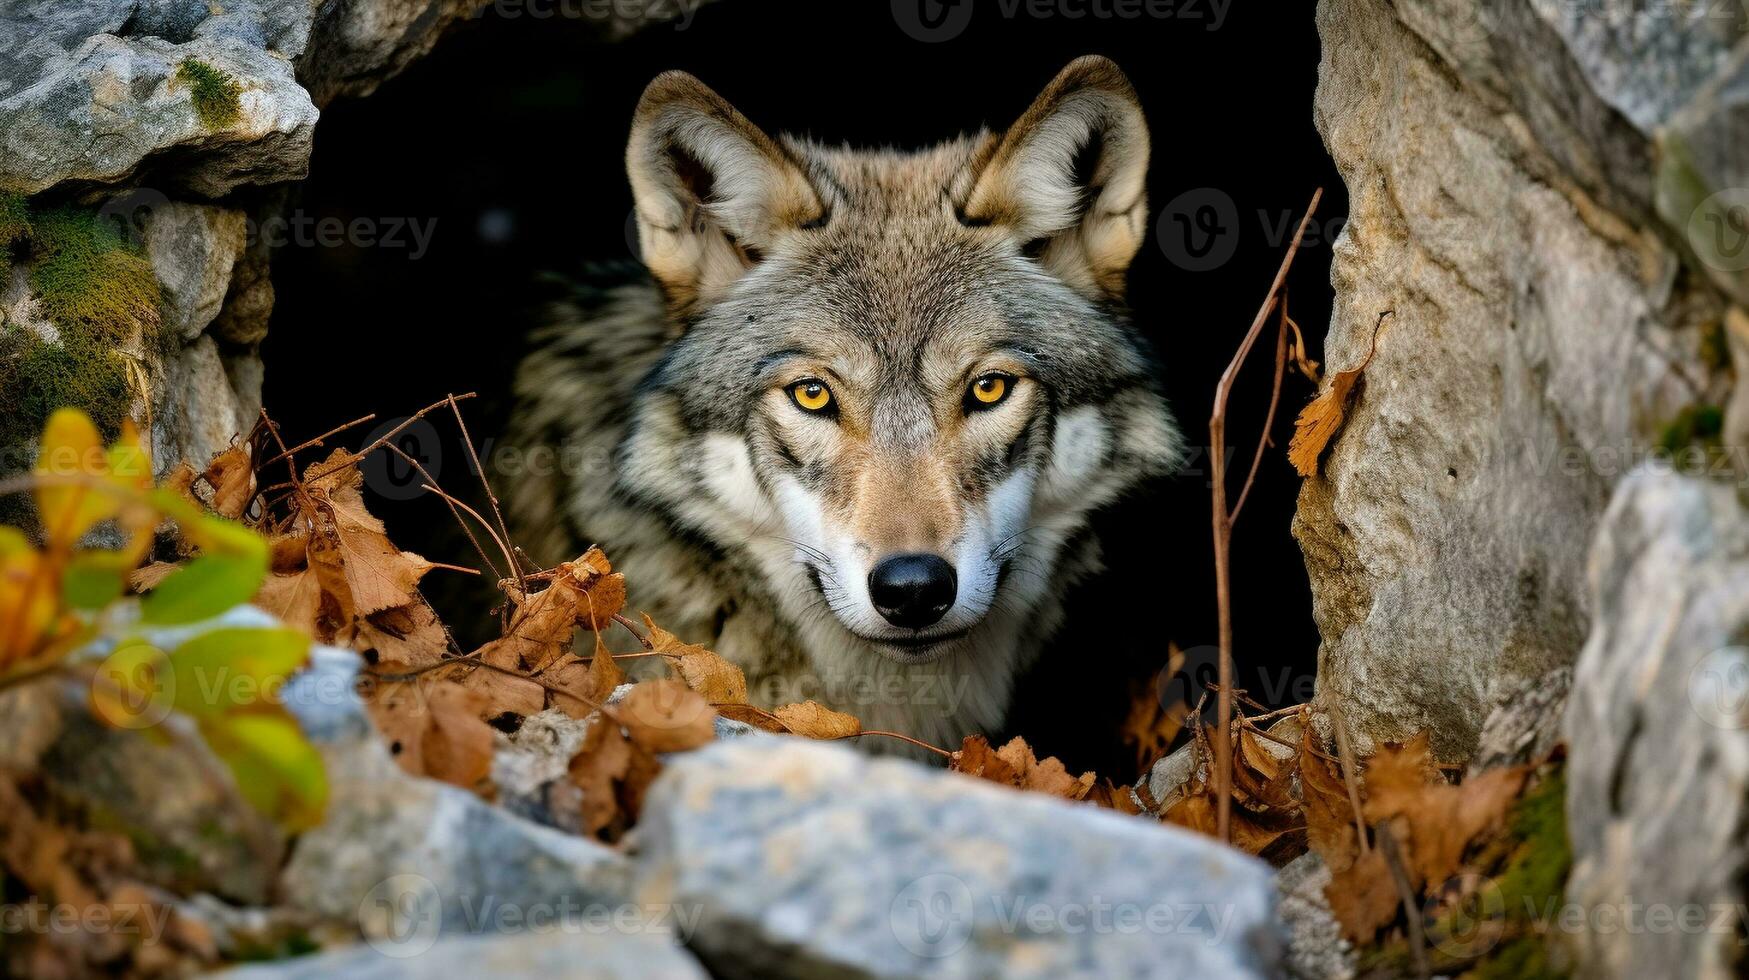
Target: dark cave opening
{"x": 500, "y": 156}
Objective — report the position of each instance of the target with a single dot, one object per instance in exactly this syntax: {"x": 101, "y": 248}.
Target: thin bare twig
{"x": 1406, "y": 892}
{"x": 1350, "y": 775}
{"x": 491, "y": 498}
{"x": 454, "y": 511}
{"x": 1263, "y": 440}
{"x": 313, "y": 443}
{"x": 1223, "y": 528}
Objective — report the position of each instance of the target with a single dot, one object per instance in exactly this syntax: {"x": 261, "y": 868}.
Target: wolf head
{"x": 903, "y": 380}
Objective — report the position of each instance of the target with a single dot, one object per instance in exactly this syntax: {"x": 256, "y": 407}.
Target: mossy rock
{"x": 91, "y": 279}
{"x": 14, "y": 229}
{"x": 214, "y": 92}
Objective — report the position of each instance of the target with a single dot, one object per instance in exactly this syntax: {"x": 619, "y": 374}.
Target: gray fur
{"x": 742, "y": 522}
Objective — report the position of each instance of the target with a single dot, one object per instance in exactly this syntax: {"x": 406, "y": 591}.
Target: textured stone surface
{"x": 536, "y": 955}
{"x": 1658, "y": 729}
{"x": 408, "y": 858}
{"x": 1315, "y": 947}
{"x": 810, "y": 859}
{"x": 170, "y": 796}
{"x": 1538, "y": 341}
{"x": 199, "y": 409}
{"x": 96, "y": 110}
{"x": 193, "y": 249}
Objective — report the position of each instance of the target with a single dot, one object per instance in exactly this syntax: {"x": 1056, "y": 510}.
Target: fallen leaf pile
{"x": 1433, "y": 822}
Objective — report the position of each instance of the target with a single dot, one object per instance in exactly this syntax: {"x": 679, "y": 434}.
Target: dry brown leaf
{"x": 1330, "y": 826}
{"x": 1015, "y": 765}
{"x": 411, "y": 635}
{"x": 1363, "y": 897}
{"x": 667, "y": 716}
{"x": 602, "y": 590}
{"x": 1442, "y": 820}
{"x": 588, "y": 683}
{"x": 507, "y": 689}
{"x": 1273, "y": 835}
{"x": 757, "y": 717}
{"x": 720, "y": 681}
{"x": 231, "y": 474}
{"x": 146, "y": 577}
{"x": 379, "y": 575}
{"x": 812, "y": 720}
{"x": 1151, "y": 726}
{"x": 1319, "y": 421}
{"x": 435, "y": 729}
{"x": 600, "y": 765}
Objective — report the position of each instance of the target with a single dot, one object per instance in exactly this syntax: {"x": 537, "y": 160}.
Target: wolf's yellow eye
{"x": 987, "y": 392}
{"x": 811, "y": 396}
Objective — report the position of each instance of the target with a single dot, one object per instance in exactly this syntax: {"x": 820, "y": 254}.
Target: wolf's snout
{"x": 912, "y": 591}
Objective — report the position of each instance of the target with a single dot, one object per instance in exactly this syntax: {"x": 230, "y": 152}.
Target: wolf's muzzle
{"x": 912, "y": 591}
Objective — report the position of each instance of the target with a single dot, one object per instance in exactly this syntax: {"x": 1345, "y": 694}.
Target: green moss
{"x": 90, "y": 279}
{"x": 214, "y": 93}
{"x": 1697, "y": 425}
{"x": 1538, "y": 869}
{"x": 14, "y": 228}
{"x": 37, "y": 377}
{"x": 266, "y": 950}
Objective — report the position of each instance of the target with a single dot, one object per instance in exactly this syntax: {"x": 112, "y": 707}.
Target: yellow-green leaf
{"x": 69, "y": 463}
{"x": 93, "y": 579}
{"x": 276, "y": 768}
{"x": 231, "y": 669}
{"x": 205, "y": 587}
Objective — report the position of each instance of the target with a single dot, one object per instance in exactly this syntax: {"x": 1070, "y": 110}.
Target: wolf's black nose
{"x": 912, "y": 591}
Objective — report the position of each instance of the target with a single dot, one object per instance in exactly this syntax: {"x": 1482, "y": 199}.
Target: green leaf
{"x": 277, "y": 769}
{"x": 231, "y": 669}
{"x": 205, "y": 587}
{"x": 93, "y": 580}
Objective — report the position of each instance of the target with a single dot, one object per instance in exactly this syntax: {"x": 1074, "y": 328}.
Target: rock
{"x": 94, "y": 111}
{"x": 809, "y": 859}
{"x": 1540, "y": 337}
{"x": 1525, "y": 723}
{"x": 539, "y": 954}
{"x": 175, "y": 801}
{"x": 359, "y": 44}
{"x": 410, "y": 859}
{"x": 1315, "y": 947}
{"x": 1658, "y": 733}
{"x": 193, "y": 249}
{"x": 198, "y": 411}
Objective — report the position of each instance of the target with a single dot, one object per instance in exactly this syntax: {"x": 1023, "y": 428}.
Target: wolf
{"x": 851, "y": 427}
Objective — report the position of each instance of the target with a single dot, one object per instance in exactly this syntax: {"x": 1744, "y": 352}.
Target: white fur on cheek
{"x": 1079, "y": 448}
{"x": 727, "y": 468}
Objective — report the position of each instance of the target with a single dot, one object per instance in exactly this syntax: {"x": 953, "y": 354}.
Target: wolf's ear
{"x": 712, "y": 190}
{"x": 1068, "y": 178}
